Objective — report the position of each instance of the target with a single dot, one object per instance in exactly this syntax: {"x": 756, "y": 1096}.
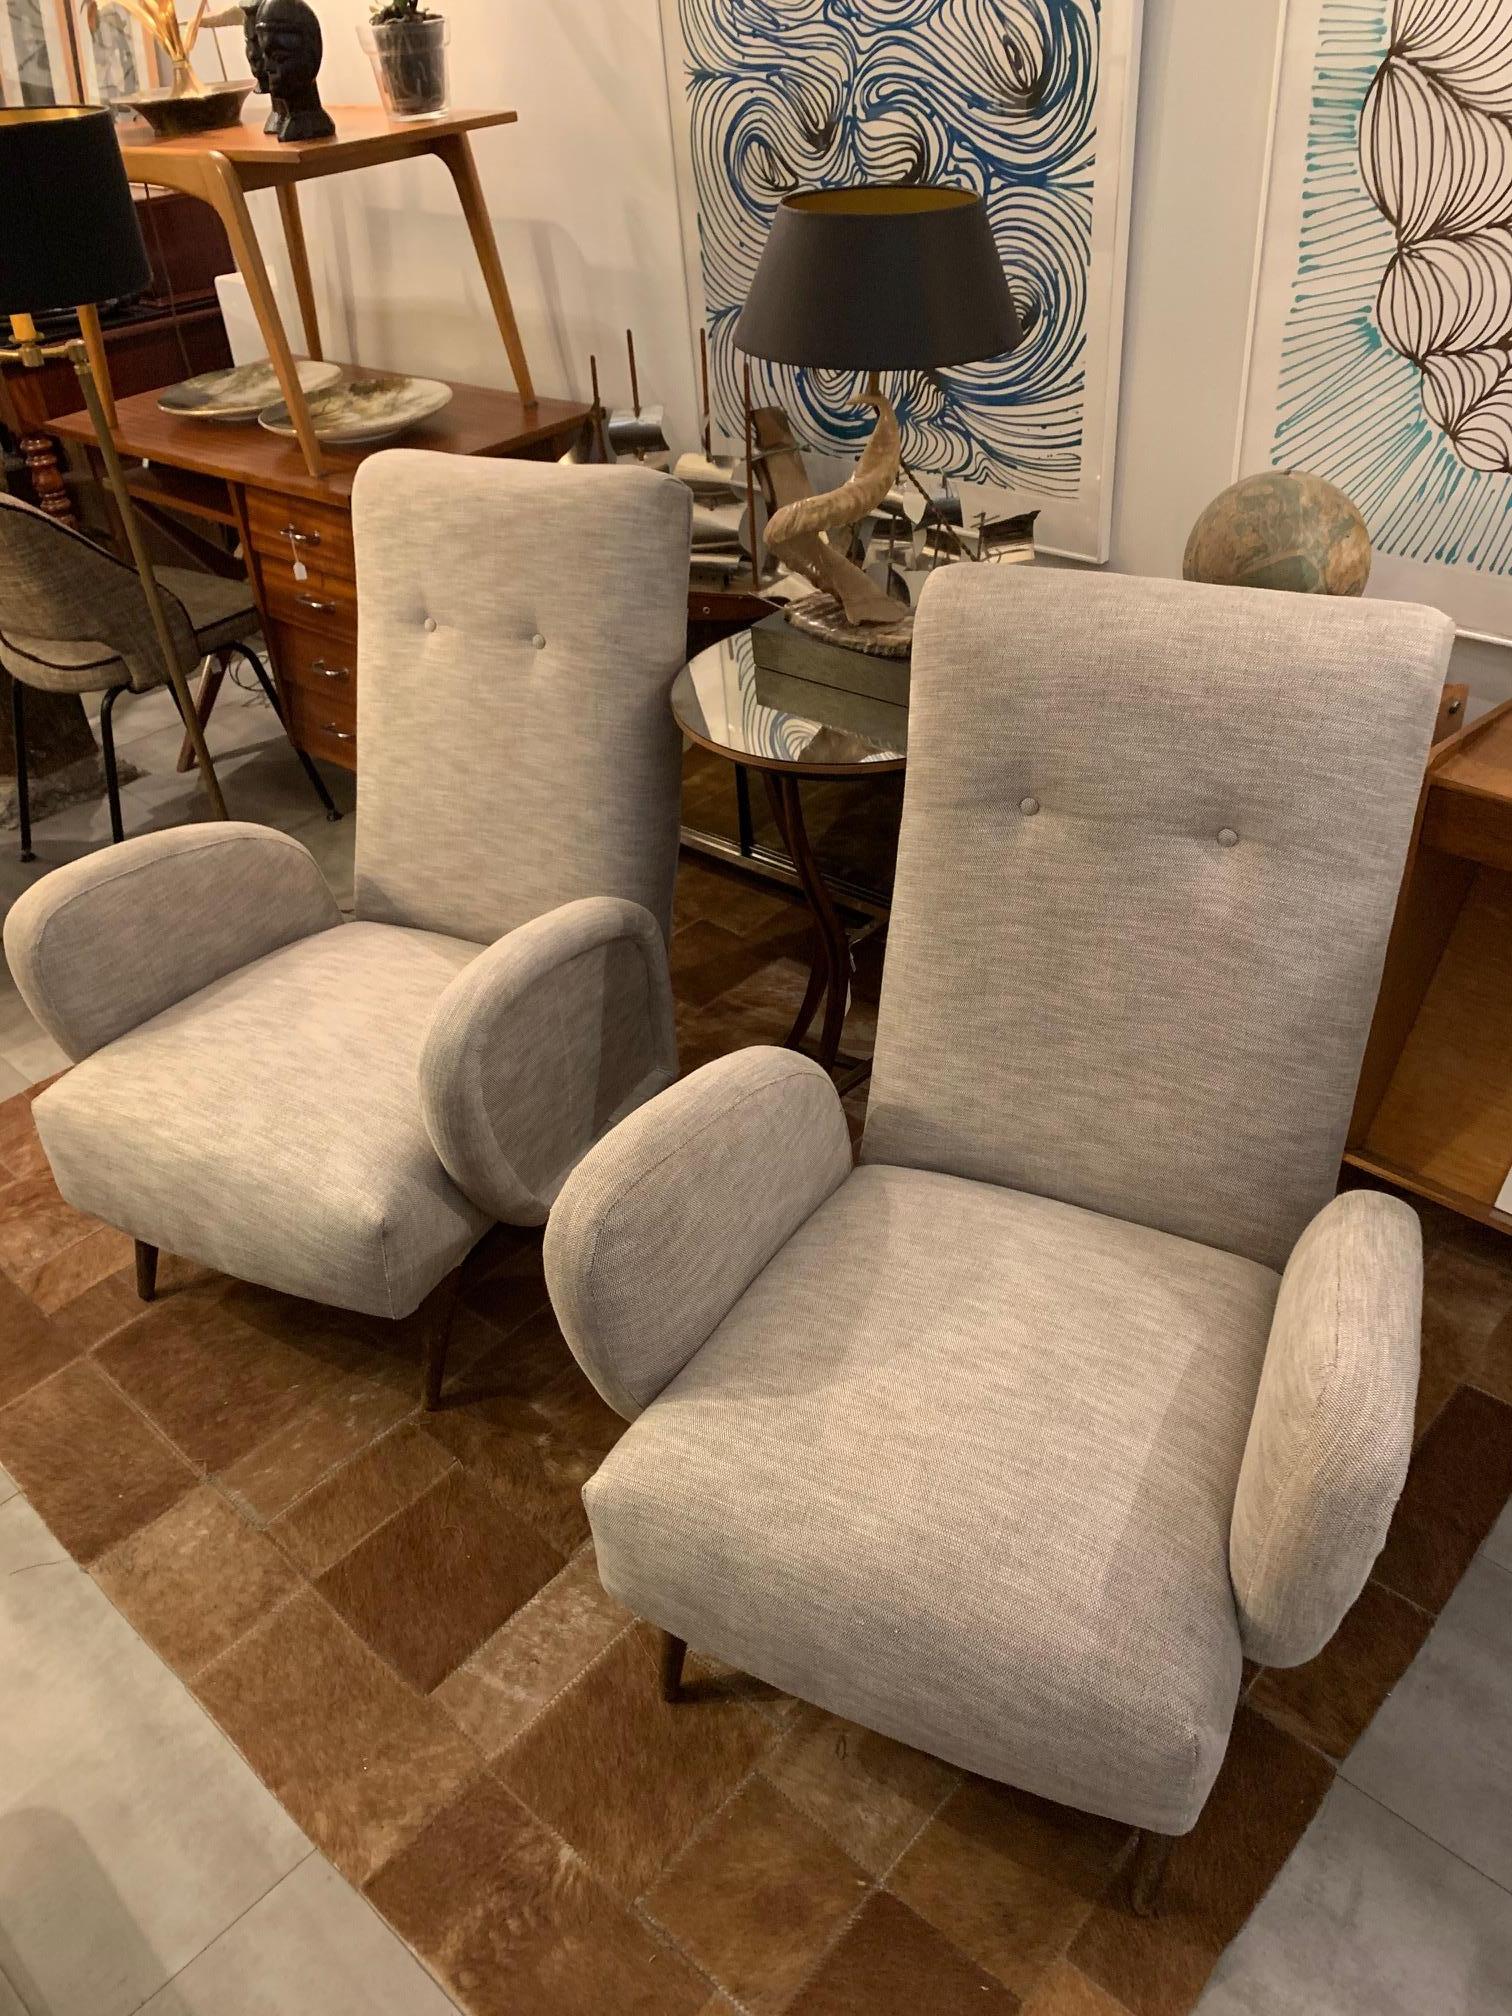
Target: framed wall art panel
{"x": 1029, "y": 102}
{"x": 1381, "y": 342}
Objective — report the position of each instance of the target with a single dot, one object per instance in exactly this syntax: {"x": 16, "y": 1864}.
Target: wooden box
{"x": 798, "y": 673}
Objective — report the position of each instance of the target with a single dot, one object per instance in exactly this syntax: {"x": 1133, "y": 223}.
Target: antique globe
{"x": 1282, "y": 529}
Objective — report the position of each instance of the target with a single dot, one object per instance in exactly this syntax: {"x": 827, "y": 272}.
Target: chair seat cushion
{"x": 960, "y": 1465}
{"x": 220, "y": 612}
{"x": 270, "y": 1124}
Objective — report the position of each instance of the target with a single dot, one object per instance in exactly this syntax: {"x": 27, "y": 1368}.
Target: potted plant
{"x": 407, "y": 45}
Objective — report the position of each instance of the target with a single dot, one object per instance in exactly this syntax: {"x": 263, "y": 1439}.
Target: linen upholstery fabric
{"x": 1328, "y": 1446}
{"x": 476, "y": 738}
{"x": 1176, "y": 816}
{"x": 540, "y": 1045}
{"x": 268, "y": 1126}
{"x": 109, "y": 941}
{"x": 61, "y": 594}
{"x": 960, "y": 1465}
{"x": 661, "y": 1229}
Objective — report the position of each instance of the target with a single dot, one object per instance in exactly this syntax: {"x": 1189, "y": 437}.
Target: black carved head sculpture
{"x": 290, "y": 48}
{"x": 255, "y": 61}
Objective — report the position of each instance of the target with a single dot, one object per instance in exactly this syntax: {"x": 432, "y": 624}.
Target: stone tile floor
{"x": 443, "y": 1719}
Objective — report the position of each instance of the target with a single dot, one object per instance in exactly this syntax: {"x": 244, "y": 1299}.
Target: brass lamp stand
{"x": 69, "y": 235}
{"x": 31, "y": 353}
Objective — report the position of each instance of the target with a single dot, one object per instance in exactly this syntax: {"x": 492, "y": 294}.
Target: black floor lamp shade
{"x": 69, "y": 234}
{"x": 884, "y": 277}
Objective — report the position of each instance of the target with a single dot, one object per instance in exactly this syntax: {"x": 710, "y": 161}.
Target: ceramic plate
{"x": 364, "y": 408}
{"x": 242, "y": 393}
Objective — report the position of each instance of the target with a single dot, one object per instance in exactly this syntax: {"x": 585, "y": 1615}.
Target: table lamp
{"x": 879, "y": 277}
{"x": 69, "y": 238}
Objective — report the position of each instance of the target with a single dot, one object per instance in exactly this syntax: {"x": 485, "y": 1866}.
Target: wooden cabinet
{"x": 1434, "y": 1109}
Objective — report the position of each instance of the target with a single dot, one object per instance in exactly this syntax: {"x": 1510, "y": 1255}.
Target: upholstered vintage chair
{"x": 1014, "y": 1441}
{"x": 340, "y": 1110}
{"x": 73, "y": 620}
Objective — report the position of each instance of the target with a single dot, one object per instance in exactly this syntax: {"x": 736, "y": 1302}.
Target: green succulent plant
{"x": 384, "y": 13}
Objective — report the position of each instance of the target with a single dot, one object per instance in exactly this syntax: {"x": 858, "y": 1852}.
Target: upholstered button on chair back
{"x": 59, "y": 588}
{"x": 520, "y": 626}
{"x": 1152, "y": 838}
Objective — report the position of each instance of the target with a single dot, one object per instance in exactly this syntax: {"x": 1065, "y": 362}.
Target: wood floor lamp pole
{"x": 30, "y": 352}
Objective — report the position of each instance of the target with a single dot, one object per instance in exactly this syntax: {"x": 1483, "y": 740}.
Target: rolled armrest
{"x": 666, "y": 1224}
{"x": 546, "y": 1040}
{"x": 102, "y": 945}
{"x": 1332, "y": 1427}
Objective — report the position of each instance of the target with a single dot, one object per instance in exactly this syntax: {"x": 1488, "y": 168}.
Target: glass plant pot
{"x": 409, "y": 62}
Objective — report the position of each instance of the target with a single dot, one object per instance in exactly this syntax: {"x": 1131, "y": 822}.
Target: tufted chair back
{"x": 59, "y": 588}
{"x": 520, "y": 626}
{"x": 1152, "y": 837}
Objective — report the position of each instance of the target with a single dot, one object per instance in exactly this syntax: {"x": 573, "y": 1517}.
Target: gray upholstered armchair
{"x": 1013, "y": 1441}
{"x": 340, "y": 1110}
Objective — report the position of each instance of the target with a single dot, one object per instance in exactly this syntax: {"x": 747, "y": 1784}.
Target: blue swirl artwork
{"x": 1395, "y": 370}
{"x": 999, "y": 96}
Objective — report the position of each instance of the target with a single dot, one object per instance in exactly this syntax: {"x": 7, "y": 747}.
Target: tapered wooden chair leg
{"x": 436, "y": 1314}
{"x": 146, "y": 1271}
{"x": 1147, "y": 1869}
{"x": 673, "y": 1653}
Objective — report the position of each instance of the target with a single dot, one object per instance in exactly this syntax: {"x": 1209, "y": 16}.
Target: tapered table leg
{"x": 457, "y": 154}
{"x": 223, "y": 193}
{"x": 299, "y": 261}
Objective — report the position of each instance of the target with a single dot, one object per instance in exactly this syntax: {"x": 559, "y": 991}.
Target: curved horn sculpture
{"x": 796, "y": 533}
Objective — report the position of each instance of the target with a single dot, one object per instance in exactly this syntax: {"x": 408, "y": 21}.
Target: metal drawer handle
{"x": 293, "y": 533}
{"x": 330, "y": 671}
{"x": 340, "y": 734}
{"x": 311, "y": 602}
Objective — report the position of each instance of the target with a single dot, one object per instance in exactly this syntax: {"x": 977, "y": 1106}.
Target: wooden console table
{"x": 1434, "y": 1109}
{"x": 222, "y": 166}
{"x": 257, "y": 484}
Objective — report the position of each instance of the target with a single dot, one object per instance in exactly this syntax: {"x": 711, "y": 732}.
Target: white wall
{"x": 581, "y": 191}
{"x": 583, "y": 197}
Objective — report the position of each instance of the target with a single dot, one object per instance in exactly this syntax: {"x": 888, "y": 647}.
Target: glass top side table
{"x": 715, "y": 703}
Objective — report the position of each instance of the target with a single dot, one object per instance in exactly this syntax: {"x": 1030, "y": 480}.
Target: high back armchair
{"x": 1013, "y": 1441}
{"x": 341, "y": 1109}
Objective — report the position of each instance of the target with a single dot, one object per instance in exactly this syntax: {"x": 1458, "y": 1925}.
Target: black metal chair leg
{"x": 23, "y": 782}
{"x": 306, "y": 763}
{"x": 107, "y": 747}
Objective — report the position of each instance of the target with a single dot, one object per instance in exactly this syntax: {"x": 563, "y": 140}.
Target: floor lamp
{"x": 69, "y": 238}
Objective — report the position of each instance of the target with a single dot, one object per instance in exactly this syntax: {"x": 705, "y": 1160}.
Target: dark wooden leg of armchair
{"x": 146, "y": 1271}
{"x": 1147, "y": 1868}
{"x": 673, "y": 1653}
{"x": 435, "y": 1319}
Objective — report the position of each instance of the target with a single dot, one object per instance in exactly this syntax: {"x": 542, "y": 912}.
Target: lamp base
{"x": 797, "y": 534}
{"x": 824, "y": 616}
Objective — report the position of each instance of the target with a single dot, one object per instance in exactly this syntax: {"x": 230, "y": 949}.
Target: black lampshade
{"x": 69, "y": 235}
{"x": 887, "y": 277}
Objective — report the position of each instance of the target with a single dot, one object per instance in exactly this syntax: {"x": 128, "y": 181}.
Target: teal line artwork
{"x": 1396, "y": 357}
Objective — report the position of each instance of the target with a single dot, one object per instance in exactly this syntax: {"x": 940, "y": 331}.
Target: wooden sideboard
{"x": 1434, "y": 1109}
{"x": 257, "y": 484}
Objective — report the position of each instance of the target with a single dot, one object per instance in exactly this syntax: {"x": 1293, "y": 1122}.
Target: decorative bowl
{"x": 171, "y": 117}
{"x": 366, "y": 407}
{"x": 242, "y": 392}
